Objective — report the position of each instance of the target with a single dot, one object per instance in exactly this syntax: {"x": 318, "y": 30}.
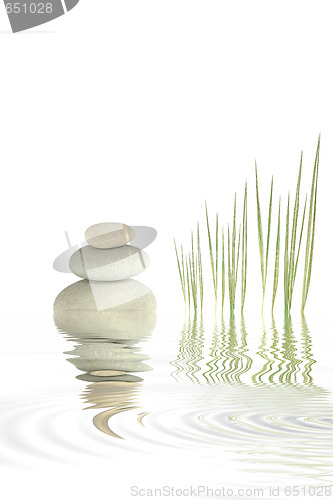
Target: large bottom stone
{"x": 115, "y": 310}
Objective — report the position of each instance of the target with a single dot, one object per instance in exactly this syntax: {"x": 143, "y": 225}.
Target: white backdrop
{"x": 139, "y": 111}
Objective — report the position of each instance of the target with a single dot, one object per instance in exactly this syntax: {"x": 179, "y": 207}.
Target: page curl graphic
{"x": 27, "y": 14}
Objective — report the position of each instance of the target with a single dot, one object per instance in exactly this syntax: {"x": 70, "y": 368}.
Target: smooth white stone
{"x": 109, "y": 235}
{"x": 108, "y": 265}
{"x": 127, "y": 310}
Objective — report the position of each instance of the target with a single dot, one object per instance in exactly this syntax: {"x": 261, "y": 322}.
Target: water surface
{"x": 240, "y": 396}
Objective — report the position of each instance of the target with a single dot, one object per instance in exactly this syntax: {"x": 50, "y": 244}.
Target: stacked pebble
{"x": 107, "y": 305}
{"x": 107, "y": 257}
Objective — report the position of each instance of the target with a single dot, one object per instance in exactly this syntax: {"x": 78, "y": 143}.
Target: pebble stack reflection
{"x": 108, "y": 312}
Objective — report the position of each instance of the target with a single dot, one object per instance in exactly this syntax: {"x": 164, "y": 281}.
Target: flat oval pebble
{"x": 109, "y": 235}
{"x": 112, "y": 264}
{"x": 120, "y": 378}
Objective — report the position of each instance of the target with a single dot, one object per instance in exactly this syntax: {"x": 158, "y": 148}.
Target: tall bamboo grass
{"x": 190, "y": 265}
{"x": 191, "y": 274}
{"x": 292, "y": 254}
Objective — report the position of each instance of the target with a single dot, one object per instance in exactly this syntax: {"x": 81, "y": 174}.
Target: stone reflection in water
{"x": 108, "y": 320}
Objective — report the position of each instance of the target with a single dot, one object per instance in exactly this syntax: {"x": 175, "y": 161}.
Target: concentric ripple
{"x": 254, "y": 422}
{"x": 214, "y": 399}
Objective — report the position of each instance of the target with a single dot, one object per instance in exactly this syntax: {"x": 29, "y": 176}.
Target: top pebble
{"x": 109, "y": 235}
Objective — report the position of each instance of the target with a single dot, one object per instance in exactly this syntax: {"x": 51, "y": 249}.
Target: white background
{"x": 139, "y": 111}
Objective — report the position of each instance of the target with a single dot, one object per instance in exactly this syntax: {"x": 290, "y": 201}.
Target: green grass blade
{"x": 312, "y": 238}
{"x": 188, "y": 283}
{"x": 216, "y": 254}
{"x": 286, "y": 263}
{"x": 277, "y": 259}
{"x": 308, "y": 238}
{"x": 244, "y": 249}
{"x": 192, "y": 272}
{"x": 300, "y": 240}
{"x": 293, "y": 235}
{"x": 233, "y": 258}
{"x": 180, "y": 271}
{"x": 237, "y": 260}
{"x": 223, "y": 270}
{"x": 268, "y": 230}
{"x": 310, "y": 227}
{"x": 200, "y": 267}
{"x": 233, "y": 255}
{"x": 192, "y": 269}
{"x": 211, "y": 251}
{"x": 229, "y": 272}
{"x": 260, "y": 235}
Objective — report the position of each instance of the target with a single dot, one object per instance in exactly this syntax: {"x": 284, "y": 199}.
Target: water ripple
{"x": 262, "y": 410}
{"x": 33, "y": 431}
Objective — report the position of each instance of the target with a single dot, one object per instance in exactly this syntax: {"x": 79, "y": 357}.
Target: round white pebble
{"x": 109, "y": 235}
{"x": 108, "y": 265}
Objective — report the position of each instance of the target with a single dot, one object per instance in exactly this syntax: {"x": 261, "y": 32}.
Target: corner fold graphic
{"x": 32, "y": 13}
{"x": 70, "y": 4}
